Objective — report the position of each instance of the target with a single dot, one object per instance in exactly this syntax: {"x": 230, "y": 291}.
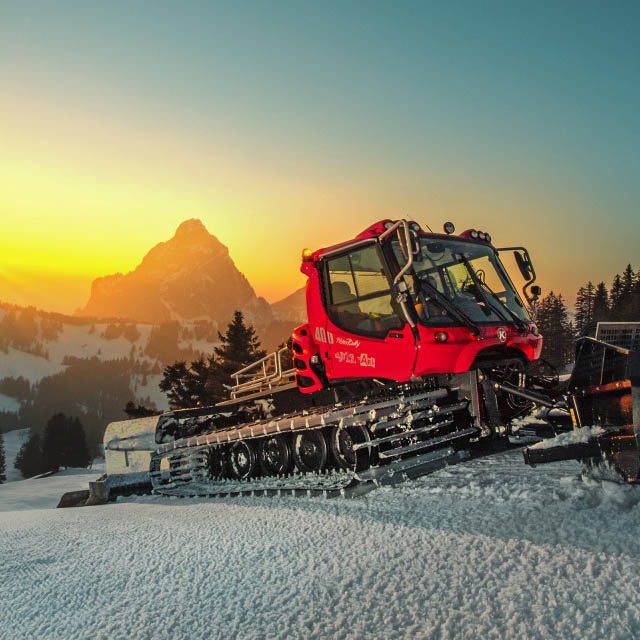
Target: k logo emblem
{"x": 501, "y": 334}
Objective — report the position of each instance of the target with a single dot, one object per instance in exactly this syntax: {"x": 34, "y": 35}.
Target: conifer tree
{"x": 628, "y": 280}
{"x": 634, "y": 306}
{"x": 64, "y": 443}
{"x": 77, "y": 454}
{"x": 134, "y": 410}
{"x": 616, "y": 298}
{"x": 205, "y": 381}
{"x": 29, "y": 458}
{"x": 630, "y": 308}
{"x": 584, "y": 310}
{"x": 189, "y": 386}
{"x": 557, "y": 330}
{"x": 601, "y": 309}
{"x": 239, "y": 346}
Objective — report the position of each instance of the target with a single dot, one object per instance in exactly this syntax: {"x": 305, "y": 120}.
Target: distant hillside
{"x": 86, "y": 367}
{"x": 91, "y": 368}
{"x": 292, "y": 308}
{"x": 188, "y": 277}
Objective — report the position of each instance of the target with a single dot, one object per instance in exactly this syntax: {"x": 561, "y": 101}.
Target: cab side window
{"x": 359, "y": 295}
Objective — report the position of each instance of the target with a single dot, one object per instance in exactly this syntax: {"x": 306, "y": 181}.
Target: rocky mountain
{"x": 188, "y": 277}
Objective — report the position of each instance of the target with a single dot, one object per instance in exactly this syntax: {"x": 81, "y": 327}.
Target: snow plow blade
{"x": 604, "y": 390}
{"x": 577, "y": 451}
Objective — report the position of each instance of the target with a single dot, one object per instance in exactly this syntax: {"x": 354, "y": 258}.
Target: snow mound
{"x": 575, "y": 436}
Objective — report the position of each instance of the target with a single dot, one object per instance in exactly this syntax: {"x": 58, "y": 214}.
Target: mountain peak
{"x": 189, "y": 276}
{"x": 190, "y": 228}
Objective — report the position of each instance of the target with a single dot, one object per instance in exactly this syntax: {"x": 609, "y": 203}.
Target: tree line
{"x": 594, "y": 303}
{"x": 61, "y": 444}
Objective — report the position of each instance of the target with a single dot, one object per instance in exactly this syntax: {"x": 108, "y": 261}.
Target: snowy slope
{"x": 486, "y": 549}
{"x": 9, "y": 404}
{"x": 13, "y": 440}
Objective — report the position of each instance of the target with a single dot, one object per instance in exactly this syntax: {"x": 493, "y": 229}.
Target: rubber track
{"x": 188, "y": 458}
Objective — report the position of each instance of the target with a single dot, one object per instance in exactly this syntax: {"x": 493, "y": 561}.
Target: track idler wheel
{"x": 275, "y": 456}
{"x": 341, "y": 442}
{"x": 242, "y": 460}
{"x": 310, "y": 451}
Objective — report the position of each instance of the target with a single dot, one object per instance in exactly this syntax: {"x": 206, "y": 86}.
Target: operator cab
{"x": 397, "y": 303}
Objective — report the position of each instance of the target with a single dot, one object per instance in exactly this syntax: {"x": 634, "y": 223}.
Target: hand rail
{"x": 262, "y": 374}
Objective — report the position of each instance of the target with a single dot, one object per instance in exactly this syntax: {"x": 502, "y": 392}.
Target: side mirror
{"x": 524, "y": 265}
{"x": 536, "y": 290}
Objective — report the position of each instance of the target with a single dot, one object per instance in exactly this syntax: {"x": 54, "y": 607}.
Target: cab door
{"x": 365, "y": 334}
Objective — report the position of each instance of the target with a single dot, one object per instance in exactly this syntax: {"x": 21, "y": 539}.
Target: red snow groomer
{"x": 417, "y": 347}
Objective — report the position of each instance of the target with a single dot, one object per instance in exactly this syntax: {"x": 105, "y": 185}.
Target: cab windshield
{"x": 469, "y": 275}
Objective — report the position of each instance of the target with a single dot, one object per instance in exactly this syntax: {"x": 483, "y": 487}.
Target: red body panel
{"x": 462, "y": 348}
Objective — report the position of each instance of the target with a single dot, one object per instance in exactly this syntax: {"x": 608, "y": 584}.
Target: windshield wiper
{"x": 519, "y": 322}
{"x": 444, "y": 302}
{"x": 483, "y": 289}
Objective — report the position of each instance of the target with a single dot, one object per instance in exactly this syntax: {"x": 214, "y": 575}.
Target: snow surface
{"x": 13, "y": 441}
{"x": 486, "y": 549}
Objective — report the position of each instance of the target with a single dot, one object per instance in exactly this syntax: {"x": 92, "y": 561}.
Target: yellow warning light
{"x": 307, "y": 254}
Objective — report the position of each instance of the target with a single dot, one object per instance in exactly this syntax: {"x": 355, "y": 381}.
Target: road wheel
{"x": 217, "y": 462}
{"x": 310, "y": 451}
{"x": 275, "y": 456}
{"x": 242, "y": 460}
{"x": 341, "y": 442}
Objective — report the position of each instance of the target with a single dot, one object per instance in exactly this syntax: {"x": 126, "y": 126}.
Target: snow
{"x": 13, "y": 440}
{"x": 9, "y": 404}
{"x": 85, "y": 340}
{"x": 575, "y": 436}
{"x": 486, "y": 549}
{"x": 20, "y": 363}
{"x": 43, "y": 492}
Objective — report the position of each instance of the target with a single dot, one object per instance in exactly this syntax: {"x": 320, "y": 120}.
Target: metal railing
{"x": 598, "y": 363}
{"x": 262, "y": 375}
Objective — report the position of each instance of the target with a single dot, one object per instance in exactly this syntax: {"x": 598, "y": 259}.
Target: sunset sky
{"x": 290, "y": 124}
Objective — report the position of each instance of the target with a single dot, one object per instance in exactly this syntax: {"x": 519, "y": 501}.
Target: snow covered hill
{"x": 486, "y": 549}
{"x": 52, "y": 341}
{"x": 13, "y": 440}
